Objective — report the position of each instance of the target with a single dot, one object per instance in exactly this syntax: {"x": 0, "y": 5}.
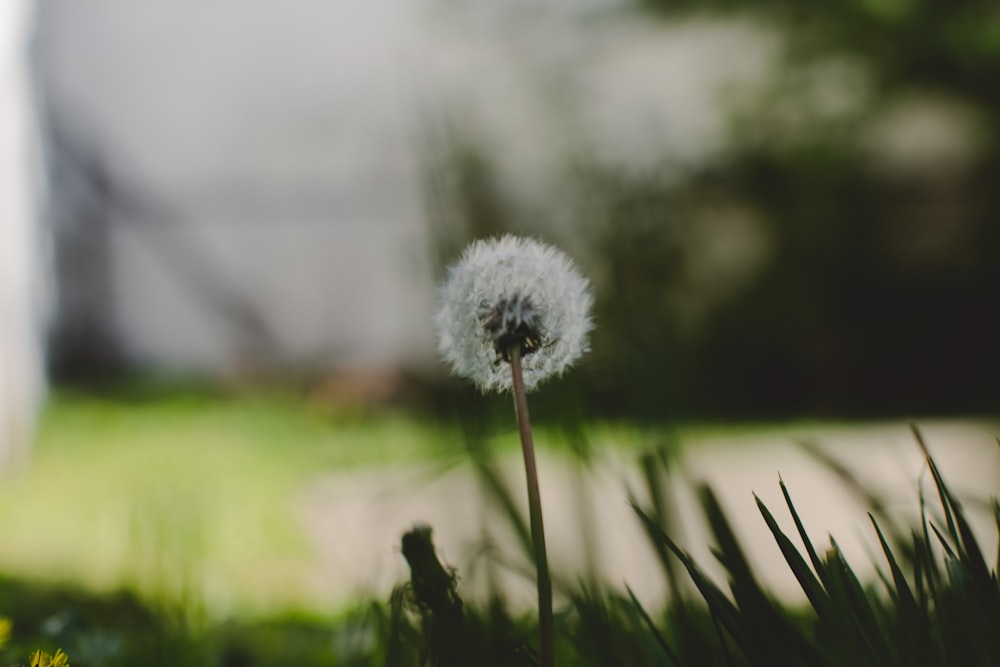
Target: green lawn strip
{"x": 196, "y": 494}
{"x": 183, "y": 494}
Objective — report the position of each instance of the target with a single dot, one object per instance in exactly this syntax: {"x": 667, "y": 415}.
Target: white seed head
{"x": 509, "y": 292}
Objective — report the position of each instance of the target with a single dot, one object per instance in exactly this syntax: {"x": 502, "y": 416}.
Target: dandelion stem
{"x": 545, "y": 623}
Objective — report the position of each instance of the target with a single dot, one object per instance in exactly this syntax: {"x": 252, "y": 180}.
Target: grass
{"x": 195, "y": 492}
{"x": 935, "y": 601}
{"x": 149, "y": 493}
{"x": 185, "y": 504}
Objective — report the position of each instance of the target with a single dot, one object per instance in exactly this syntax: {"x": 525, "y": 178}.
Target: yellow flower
{"x": 43, "y": 659}
{"x": 5, "y": 627}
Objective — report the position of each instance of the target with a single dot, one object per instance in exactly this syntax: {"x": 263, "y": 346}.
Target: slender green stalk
{"x": 545, "y": 623}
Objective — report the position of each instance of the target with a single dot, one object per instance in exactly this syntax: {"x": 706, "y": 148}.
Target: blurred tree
{"x": 880, "y": 295}
{"x": 869, "y": 168}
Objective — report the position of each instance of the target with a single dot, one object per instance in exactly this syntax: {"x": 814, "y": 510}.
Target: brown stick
{"x": 545, "y": 622}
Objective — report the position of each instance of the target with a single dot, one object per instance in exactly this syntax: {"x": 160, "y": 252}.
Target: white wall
{"x": 21, "y": 250}
{"x": 282, "y": 139}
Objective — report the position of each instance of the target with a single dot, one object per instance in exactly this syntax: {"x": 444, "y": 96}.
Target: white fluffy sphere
{"x": 512, "y": 291}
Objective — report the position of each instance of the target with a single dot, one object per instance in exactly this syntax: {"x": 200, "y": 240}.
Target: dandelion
{"x": 511, "y": 293}
{"x": 43, "y": 659}
{"x": 512, "y": 313}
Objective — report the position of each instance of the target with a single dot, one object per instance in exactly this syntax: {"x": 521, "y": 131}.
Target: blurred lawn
{"x": 186, "y": 496}
{"x": 192, "y": 498}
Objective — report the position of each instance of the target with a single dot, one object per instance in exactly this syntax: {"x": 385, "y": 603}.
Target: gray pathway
{"x": 356, "y": 519}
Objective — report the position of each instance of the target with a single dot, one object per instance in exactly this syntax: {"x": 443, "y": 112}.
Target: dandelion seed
{"x": 506, "y": 293}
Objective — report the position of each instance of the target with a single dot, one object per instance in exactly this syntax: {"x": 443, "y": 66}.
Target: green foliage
{"x": 871, "y": 257}
{"x": 123, "y": 505}
{"x": 951, "y": 45}
{"x": 937, "y": 604}
{"x": 941, "y": 604}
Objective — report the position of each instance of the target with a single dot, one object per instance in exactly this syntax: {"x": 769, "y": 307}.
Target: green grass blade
{"x": 810, "y": 550}
{"x": 943, "y": 541}
{"x": 974, "y": 558}
{"x": 729, "y": 553}
{"x": 726, "y": 653}
{"x": 942, "y": 489}
{"x": 663, "y": 553}
{"x": 501, "y": 495}
{"x": 996, "y": 517}
{"x": 865, "y": 630}
{"x": 719, "y": 605}
{"x": 931, "y": 570}
{"x": 775, "y": 640}
{"x": 969, "y": 553}
{"x": 655, "y": 466}
{"x": 923, "y": 588}
{"x": 915, "y": 624}
{"x": 653, "y": 630}
{"x": 807, "y": 580}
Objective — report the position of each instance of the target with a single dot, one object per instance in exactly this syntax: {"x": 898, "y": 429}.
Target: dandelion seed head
{"x": 507, "y": 292}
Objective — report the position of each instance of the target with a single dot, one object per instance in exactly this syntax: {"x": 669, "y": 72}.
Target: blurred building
{"x": 22, "y": 248}
{"x": 254, "y": 187}
{"x": 237, "y": 185}
{"x": 233, "y": 186}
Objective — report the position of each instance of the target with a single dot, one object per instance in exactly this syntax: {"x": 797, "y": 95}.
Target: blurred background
{"x": 783, "y": 214}
{"x": 786, "y": 213}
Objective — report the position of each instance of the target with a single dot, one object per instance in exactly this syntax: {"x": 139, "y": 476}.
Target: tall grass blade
{"x": 774, "y": 639}
{"x": 921, "y": 574}
{"x": 800, "y": 528}
{"x": 718, "y": 604}
{"x": 915, "y": 624}
{"x": 996, "y": 517}
{"x": 654, "y": 463}
{"x": 653, "y": 630}
{"x": 932, "y": 571}
{"x": 857, "y": 610}
{"x": 501, "y": 495}
{"x": 729, "y": 553}
{"x": 807, "y": 580}
{"x": 942, "y": 490}
{"x": 974, "y": 558}
{"x": 663, "y": 553}
{"x": 943, "y": 541}
{"x": 970, "y": 555}
{"x": 726, "y": 653}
